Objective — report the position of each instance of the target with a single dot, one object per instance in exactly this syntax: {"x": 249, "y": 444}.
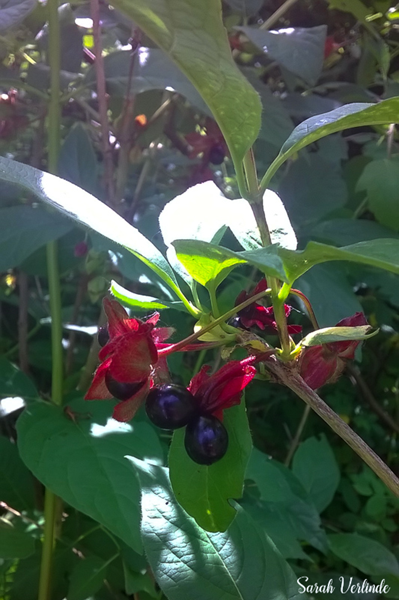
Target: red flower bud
{"x": 319, "y": 365}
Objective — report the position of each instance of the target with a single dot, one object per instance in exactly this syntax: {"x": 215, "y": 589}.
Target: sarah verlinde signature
{"x": 347, "y": 586}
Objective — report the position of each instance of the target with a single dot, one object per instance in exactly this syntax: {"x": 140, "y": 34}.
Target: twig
{"x": 23, "y": 322}
{"x": 102, "y": 102}
{"x": 277, "y": 14}
{"x": 298, "y": 435}
{"x": 368, "y": 396}
{"x": 287, "y": 376}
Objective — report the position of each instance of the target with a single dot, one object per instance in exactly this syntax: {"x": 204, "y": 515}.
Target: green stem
{"x": 260, "y": 217}
{"x": 214, "y": 303}
{"x": 54, "y": 126}
{"x": 215, "y": 323}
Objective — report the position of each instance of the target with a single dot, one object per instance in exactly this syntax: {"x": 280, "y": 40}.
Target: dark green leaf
{"x": 383, "y": 254}
{"x": 13, "y": 382}
{"x": 350, "y": 115}
{"x": 86, "y": 578}
{"x": 312, "y": 189}
{"x": 316, "y": 468}
{"x": 24, "y": 229}
{"x": 25, "y": 583}
{"x": 330, "y": 293}
{"x": 365, "y": 554}
{"x": 299, "y": 50}
{"x": 380, "y": 180}
{"x": 201, "y": 50}
{"x": 16, "y": 482}
{"x": 100, "y": 482}
{"x": 14, "y": 543}
{"x": 78, "y": 162}
{"x": 341, "y": 232}
{"x": 13, "y": 12}
{"x": 153, "y": 70}
{"x": 245, "y": 7}
{"x": 285, "y": 499}
{"x": 204, "y": 492}
{"x": 87, "y": 210}
{"x": 240, "y": 564}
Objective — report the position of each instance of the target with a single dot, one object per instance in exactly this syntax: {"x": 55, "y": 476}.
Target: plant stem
{"x": 256, "y": 203}
{"x": 288, "y": 377}
{"x": 191, "y": 338}
{"x": 102, "y": 103}
{"x": 277, "y": 14}
{"x": 54, "y": 126}
{"x": 298, "y": 435}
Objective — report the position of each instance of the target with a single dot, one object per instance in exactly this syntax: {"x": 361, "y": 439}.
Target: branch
{"x": 287, "y": 376}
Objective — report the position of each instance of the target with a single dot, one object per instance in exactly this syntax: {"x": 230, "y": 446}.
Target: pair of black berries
{"x": 171, "y": 406}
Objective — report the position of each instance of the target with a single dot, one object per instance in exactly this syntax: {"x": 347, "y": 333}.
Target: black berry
{"x": 170, "y": 406}
{"x": 206, "y": 440}
{"x": 234, "y": 322}
{"x": 121, "y": 390}
{"x": 216, "y": 154}
{"x": 103, "y": 335}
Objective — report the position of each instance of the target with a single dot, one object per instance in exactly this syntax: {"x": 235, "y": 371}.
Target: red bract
{"x": 323, "y": 364}
{"x": 127, "y": 358}
{"x": 223, "y": 389}
{"x": 262, "y": 316}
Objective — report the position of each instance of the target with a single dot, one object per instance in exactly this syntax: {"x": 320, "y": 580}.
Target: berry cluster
{"x": 173, "y": 406}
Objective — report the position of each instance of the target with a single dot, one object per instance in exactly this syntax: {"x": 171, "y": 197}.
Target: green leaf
{"x": 299, "y": 50}
{"x": 364, "y": 553}
{"x": 209, "y": 264}
{"x": 350, "y": 115}
{"x": 312, "y": 189}
{"x": 153, "y": 70}
{"x": 24, "y": 229}
{"x": 87, "y": 210}
{"x": 26, "y": 578}
{"x": 204, "y": 492}
{"x": 383, "y": 254}
{"x": 16, "y": 482}
{"x": 78, "y": 162}
{"x": 337, "y": 334}
{"x": 87, "y": 578}
{"x": 316, "y": 468}
{"x": 201, "y": 49}
{"x": 13, "y": 382}
{"x": 284, "y": 499}
{"x": 245, "y": 7}
{"x": 341, "y": 232}
{"x": 100, "y": 482}
{"x": 12, "y": 12}
{"x": 239, "y": 564}
{"x": 330, "y": 293}
{"x": 14, "y": 543}
{"x": 138, "y": 301}
{"x": 380, "y": 180}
